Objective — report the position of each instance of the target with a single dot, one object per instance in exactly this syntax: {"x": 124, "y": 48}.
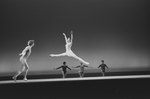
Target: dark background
{"x": 113, "y": 30}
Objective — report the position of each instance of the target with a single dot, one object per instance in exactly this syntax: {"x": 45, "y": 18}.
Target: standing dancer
{"x": 64, "y": 69}
{"x": 69, "y": 52}
{"x": 81, "y": 71}
{"x": 23, "y": 59}
{"x": 103, "y": 67}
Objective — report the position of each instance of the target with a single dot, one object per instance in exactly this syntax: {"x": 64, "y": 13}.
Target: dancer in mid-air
{"x": 81, "y": 71}
{"x": 103, "y": 66}
{"x": 23, "y": 59}
{"x": 64, "y": 69}
{"x": 69, "y": 52}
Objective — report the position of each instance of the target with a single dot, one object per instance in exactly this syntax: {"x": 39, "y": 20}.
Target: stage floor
{"x": 108, "y": 87}
{"x": 76, "y": 79}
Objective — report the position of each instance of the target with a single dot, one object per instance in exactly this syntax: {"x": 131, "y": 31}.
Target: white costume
{"x": 69, "y": 52}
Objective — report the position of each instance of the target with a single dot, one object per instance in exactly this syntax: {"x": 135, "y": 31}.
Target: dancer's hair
{"x": 69, "y": 40}
{"x": 102, "y": 60}
{"x": 30, "y": 42}
{"x": 64, "y": 63}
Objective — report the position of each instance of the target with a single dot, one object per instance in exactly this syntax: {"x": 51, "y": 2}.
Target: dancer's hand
{"x": 71, "y": 32}
{"x": 20, "y": 53}
{"x": 54, "y": 68}
{"x": 64, "y": 34}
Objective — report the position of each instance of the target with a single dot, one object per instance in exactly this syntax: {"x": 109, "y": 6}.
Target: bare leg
{"x": 18, "y": 73}
{"x": 80, "y": 59}
{"x": 57, "y": 55}
{"x": 63, "y": 73}
{"x": 26, "y": 71}
{"x": 103, "y": 73}
{"x": 80, "y": 74}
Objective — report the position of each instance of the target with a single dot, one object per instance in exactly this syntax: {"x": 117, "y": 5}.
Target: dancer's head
{"x": 64, "y": 63}
{"x": 68, "y": 40}
{"x": 81, "y": 63}
{"x": 102, "y": 61}
{"x": 31, "y": 43}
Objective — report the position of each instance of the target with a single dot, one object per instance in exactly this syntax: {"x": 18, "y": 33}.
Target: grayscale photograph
{"x": 75, "y": 49}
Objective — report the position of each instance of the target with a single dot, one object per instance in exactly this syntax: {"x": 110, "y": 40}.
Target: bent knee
{"x": 27, "y": 67}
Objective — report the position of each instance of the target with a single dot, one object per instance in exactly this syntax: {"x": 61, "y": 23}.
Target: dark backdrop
{"x": 113, "y": 30}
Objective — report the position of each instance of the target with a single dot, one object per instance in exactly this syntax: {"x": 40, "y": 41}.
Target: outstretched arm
{"x": 65, "y": 37}
{"x": 71, "y": 36}
{"x": 58, "y": 67}
{"x": 107, "y": 67}
{"x": 85, "y": 66}
{"x": 68, "y": 68}
{"x": 76, "y": 66}
{"x": 88, "y": 66}
{"x": 99, "y": 66}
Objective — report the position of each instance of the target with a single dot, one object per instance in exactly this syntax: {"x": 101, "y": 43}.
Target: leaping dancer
{"x": 69, "y": 52}
{"x": 23, "y": 59}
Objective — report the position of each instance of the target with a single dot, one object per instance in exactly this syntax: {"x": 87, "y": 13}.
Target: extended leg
{"x": 80, "y": 59}
{"x": 57, "y": 55}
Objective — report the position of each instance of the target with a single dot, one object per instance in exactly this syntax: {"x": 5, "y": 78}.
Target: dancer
{"x": 103, "y": 67}
{"x": 23, "y": 59}
{"x": 69, "y": 52}
{"x": 81, "y": 71}
{"x": 64, "y": 69}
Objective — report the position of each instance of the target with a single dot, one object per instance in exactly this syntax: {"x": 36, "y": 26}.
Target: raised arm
{"x": 65, "y": 37}
{"x": 71, "y": 35}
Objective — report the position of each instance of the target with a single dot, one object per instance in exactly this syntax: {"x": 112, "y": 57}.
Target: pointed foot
{"x": 51, "y": 55}
{"x": 86, "y": 63}
{"x": 25, "y": 79}
{"x": 14, "y": 78}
